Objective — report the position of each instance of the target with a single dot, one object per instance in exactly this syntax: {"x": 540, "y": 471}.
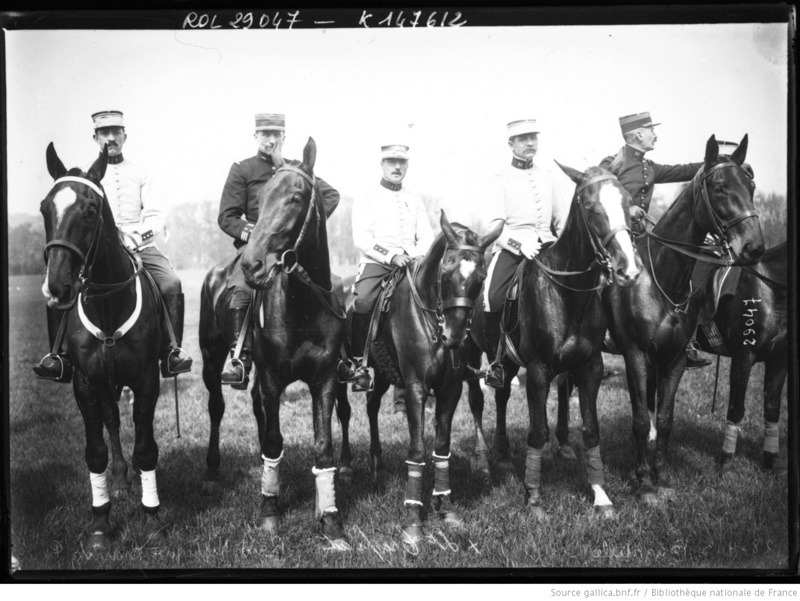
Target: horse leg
{"x": 590, "y": 378}
{"x": 668, "y": 382}
{"x": 537, "y": 388}
{"x": 480, "y": 456}
{"x": 119, "y": 467}
{"x": 502, "y": 445}
{"x": 775, "y": 370}
{"x": 343, "y": 412}
{"x": 741, "y": 365}
{"x": 266, "y": 393}
{"x": 214, "y": 357}
{"x": 96, "y": 455}
{"x": 636, "y": 374}
{"x": 374, "y": 396}
{"x": 415, "y": 409}
{"x": 323, "y": 395}
{"x": 565, "y": 387}
{"x": 446, "y": 404}
{"x": 145, "y": 450}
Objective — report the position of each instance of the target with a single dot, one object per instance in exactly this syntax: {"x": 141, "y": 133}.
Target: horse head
{"x": 462, "y": 272}
{"x": 723, "y": 191}
{"x": 605, "y": 205}
{"x": 73, "y": 215}
{"x": 288, "y": 203}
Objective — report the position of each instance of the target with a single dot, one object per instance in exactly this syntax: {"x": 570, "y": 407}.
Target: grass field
{"x": 739, "y": 522}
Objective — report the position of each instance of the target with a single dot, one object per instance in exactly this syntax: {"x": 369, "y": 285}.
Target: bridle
{"x": 602, "y": 257}
{"x": 720, "y": 226}
{"x": 88, "y": 259}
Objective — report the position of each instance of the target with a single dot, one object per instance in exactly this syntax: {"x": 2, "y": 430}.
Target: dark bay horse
{"x": 112, "y": 339}
{"x": 299, "y": 325}
{"x": 421, "y": 339}
{"x": 561, "y": 321}
{"x": 752, "y": 327}
{"x": 651, "y": 322}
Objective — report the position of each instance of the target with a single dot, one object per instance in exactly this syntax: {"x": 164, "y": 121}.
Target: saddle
{"x": 510, "y": 317}
{"x": 721, "y": 285}
{"x": 384, "y": 353}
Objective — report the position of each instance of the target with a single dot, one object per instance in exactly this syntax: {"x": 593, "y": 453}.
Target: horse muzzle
{"x": 258, "y": 273}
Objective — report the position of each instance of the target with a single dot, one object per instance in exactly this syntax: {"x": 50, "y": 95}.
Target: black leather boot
{"x": 236, "y": 371}
{"x": 174, "y": 361}
{"x": 54, "y": 366}
{"x": 495, "y": 375}
{"x": 351, "y": 370}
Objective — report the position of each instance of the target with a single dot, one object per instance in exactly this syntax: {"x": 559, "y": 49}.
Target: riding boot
{"x": 693, "y": 358}
{"x": 174, "y": 361}
{"x": 495, "y": 375}
{"x": 236, "y": 371}
{"x": 56, "y": 365}
{"x": 352, "y": 370}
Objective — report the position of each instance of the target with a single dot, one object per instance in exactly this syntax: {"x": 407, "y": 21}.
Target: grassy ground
{"x": 739, "y": 522}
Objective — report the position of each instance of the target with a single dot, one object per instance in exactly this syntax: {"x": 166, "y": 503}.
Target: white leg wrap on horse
{"x": 99, "y": 489}
{"x": 771, "y": 441}
{"x": 533, "y": 467}
{"x": 594, "y": 466}
{"x": 600, "y": 497}
{"x": 653, "y": 431}
{"x": 326, "y": 495}
{"x": 441, "y": 475}
{"x": 149, "y": 489}
{"x": 731, "y": 434}
{"x": 414, "y": 483}
{"x": 270, "y": 476}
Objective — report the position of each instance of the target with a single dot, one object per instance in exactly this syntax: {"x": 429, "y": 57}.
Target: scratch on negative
{"x": 219, "y": 54}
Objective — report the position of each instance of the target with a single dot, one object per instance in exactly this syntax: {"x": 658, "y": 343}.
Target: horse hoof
{"x": 98, "y": 541}
{"x": 537, "y": 512}
{"x": 412, "y": 534}
{"x": 453, "y": 518}
{"x": 155, "y": 530}
{"x": 666, "y": 492}
{"x": 346, "y": 475}
{"x": 605, "y": 511}
{"x": 505, "y": 464}
{"x": 566, "y": 453}
{"x": 268, "y": 525}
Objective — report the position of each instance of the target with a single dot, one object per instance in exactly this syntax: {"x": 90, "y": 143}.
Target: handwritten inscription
{"x": 287, "y": 20}
{"x": 749, "y": 315}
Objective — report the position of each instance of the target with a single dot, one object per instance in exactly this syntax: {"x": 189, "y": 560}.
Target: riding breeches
{"x": 368, "y": 286}
{"x": 241, "y": 292}
{"x": 501, "y": 272}
{"x": 158, "y": 266}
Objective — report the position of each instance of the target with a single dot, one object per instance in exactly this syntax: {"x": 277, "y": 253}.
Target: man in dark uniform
{"x": 238, "y": 214}
{"x": 638, "y": 175}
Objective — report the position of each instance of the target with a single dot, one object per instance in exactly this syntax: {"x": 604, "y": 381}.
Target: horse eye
{"x": 91, "y": 211}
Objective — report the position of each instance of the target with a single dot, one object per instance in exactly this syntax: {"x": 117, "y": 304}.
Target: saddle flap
{"x": 722, "y": 284}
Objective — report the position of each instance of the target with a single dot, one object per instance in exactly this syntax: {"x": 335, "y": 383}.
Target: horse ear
{"x": 712, "y": 150}
{"x": 573, "y": 174}
{"x": 310, "y": 155}
{"x": 448, "y": 230}
{"x": 741, "y": 152}
{"x": 491, "y": 236}
{"x": 98, "y": 169}
{"x": 54, "y": 165}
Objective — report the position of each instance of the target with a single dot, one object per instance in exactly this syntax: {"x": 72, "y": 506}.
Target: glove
{"x": 530, "y": 249}
{"x": 400, "y": 260}
{"x": 132, "y": 241}
{"x": 637, "y": 213}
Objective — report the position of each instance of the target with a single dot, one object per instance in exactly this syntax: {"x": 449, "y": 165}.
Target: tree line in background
{"x": 195, "y": 240}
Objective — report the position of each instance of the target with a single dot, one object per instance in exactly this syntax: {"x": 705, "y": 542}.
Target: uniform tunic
{"x": 390, "y": 221}
{"x": 528, "y": 199}
{"x": 638, "y": 175}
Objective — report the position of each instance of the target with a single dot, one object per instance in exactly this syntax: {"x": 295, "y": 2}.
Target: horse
{"x": 752, "y": 327}
{"x": 298, "y": 332}
{"x": 651, "y": 322}
{"x": 561, "y": 323}
{"x": 112, "y": 339}
{"x": 418, "y": 347}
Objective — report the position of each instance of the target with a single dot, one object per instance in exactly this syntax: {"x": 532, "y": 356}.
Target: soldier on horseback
{"x": 238, "y": 214}
{"x": 639, "y": 175}
{"x": 527, "y": 198}
{"x": 390, "y": 228}
{"x": 136, "y": 211}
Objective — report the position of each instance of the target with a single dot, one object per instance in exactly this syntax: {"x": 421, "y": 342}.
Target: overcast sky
{"x": 189, "y": 99}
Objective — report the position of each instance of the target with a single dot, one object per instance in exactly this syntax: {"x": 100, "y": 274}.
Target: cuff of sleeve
{"x": 148, "y": 235}
{"x": 248, "y": 229}
{"x": 514, "y": 244}
{"x": 386, "y": 255}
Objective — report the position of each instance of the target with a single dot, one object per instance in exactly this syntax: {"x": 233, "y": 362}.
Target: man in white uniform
{"x": 390, "y": 228}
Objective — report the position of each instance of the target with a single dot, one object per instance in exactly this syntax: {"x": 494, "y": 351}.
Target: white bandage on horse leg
{"x": 441, "y": 475}
{"x": 533, "y": 468}
{"x": 149, "y": 489}
{"x": 414, "y": 483}
{"x": 771, "y": 440}
{"x": 326, "y": 495}
{"x": 99, "y": 489}
{"x": 600, "y": 497}
{"x": 594, "y": 466}
{"x": 653, "y": 431}
{"x": 731, "y": 434}
{"x": 270, "y": 476}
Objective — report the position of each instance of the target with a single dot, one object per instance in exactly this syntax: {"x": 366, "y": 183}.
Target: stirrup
{"x": 495, "y": 376}
{"x": 244, "y": 379}
{"x": 183, "y": 365}
{"x": 346, "y": 371}
{"x": 358, "y": 385}
{"x": 64, "y": 372}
